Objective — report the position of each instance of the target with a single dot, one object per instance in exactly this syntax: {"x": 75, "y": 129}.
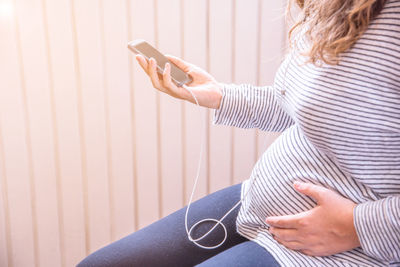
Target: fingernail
{"x": 299, "y": 185}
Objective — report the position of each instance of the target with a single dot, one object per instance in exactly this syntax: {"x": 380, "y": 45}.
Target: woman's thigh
{"x": 245, "y": 254}
{"x": 165, "y": 243}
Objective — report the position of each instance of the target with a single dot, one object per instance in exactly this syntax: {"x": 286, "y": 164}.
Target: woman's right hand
{"x": 206, "y": 89}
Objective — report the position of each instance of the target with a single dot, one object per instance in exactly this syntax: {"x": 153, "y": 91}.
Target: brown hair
{"x": 333, "y": 26}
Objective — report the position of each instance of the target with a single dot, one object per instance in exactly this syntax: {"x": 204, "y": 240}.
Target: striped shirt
{"x": 340, "y": 129}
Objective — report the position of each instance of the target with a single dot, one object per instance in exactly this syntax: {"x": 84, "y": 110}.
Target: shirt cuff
{"x": 378, "y": 229}
{"x": 230, "y": 99}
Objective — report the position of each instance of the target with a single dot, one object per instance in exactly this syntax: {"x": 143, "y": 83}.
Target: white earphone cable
{"x": 217, "y": 222}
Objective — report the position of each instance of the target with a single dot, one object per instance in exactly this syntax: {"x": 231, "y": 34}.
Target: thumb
{"x": 183, "y": 65}
{"x": 318, "y": 193}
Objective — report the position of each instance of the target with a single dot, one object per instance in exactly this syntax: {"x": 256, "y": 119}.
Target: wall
{"x": 89, "y": 151}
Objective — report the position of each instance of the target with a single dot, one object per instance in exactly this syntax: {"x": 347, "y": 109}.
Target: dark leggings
{"x": 165, "y": 243}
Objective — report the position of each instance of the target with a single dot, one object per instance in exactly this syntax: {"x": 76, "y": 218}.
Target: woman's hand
{"x": 324, "y": 230}
{"x": 206, "y": 89}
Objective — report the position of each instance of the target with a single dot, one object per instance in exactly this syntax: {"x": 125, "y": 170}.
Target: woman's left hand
{"x": 325, "y": 230}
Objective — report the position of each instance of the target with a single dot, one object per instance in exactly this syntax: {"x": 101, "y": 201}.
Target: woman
{"x": 327, "y": 191}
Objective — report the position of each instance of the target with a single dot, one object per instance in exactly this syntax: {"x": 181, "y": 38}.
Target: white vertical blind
{"x": 89, "y": 151}
{"x": 195, "y": 49}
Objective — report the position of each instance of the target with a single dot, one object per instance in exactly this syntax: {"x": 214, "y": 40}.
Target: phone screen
{"x": 145, "y": 49}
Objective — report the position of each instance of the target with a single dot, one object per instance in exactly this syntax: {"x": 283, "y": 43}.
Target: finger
{"x": 293, "y": 245}
{"x": 152, "y": 69}
{"x": 286, "y": 221}
{"x": 167, "y": 81}
{"x": 185, "y": 66}
{"x": 284, "y": 234}
{"x": 142, "y": 62}
{"x": 307, "y": 252}
{"x": 318, "y": 193}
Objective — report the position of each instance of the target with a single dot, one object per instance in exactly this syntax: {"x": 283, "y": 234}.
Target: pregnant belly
{"x": 270, "y": 192}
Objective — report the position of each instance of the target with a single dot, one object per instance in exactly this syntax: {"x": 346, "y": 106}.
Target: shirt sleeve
{"x": 247, "y": 106}
{"x": 378, "y": 228}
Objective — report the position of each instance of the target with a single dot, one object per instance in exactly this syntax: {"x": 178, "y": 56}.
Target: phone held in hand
{"x": 178, "y": 76}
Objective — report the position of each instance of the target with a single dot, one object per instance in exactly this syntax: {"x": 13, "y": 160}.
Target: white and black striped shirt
{"x": 341, "y": 130}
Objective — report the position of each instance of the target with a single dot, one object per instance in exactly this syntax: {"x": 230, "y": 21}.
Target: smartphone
{"x": 178, "y": 76}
